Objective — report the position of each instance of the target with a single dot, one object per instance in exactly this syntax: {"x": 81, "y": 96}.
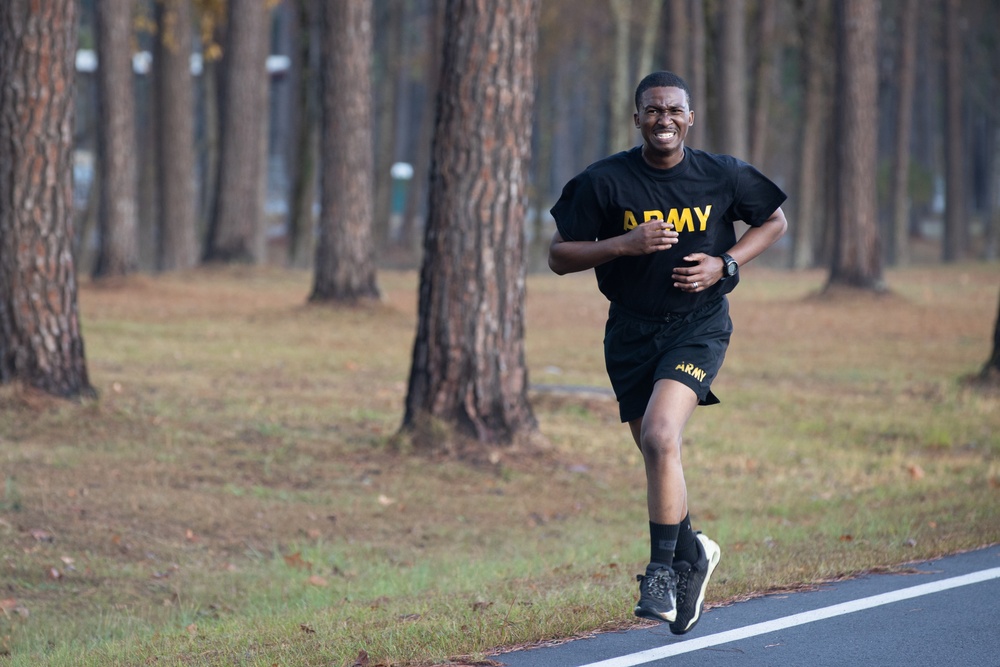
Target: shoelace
{"x": 656, "y": 584}
{"x": 682, "y": 585}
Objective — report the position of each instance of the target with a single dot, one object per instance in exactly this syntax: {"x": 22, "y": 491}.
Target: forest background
{"x": 764, "y": 81}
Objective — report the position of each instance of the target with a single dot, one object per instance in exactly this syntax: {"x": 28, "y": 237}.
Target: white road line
{"x": 690, "y": 645}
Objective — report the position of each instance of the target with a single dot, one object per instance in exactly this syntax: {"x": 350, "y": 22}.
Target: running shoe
{"x": 692, "y": 580}
{"x": 657, "y": 595}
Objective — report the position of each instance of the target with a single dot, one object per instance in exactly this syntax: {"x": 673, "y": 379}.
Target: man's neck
{"x": 663, "y": 161}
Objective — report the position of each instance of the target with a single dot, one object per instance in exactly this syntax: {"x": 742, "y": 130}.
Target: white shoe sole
{"x": 714, "y": 555}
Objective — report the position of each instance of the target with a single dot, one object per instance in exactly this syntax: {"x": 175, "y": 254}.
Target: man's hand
{"x": 570, "y": 256}
{"x": 703, "y": 272}
{"x": 649, "y": 237}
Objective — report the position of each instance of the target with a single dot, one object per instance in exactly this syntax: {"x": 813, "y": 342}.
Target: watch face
{"x": 730, "y": 268}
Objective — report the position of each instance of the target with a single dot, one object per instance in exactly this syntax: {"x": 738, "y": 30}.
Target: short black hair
{"x": 661, "y": 79}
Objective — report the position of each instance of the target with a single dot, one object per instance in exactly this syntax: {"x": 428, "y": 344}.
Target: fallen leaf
{"x": 916, "y": 472}
{"x": 295, "y": 560}
{"x": 385, "y": 500}
{"x": 11, "y": 606}
{"x": 304, "y": 627}
{"x": 54, "y": 573}
{"x": 192, "y": 629}
{"x": 480, "y": 606}
{"x": 362, "y": 659}
{"x": 190, "y": 536}
{"x": 42, "y": 535}
{"x": 316, "y": 580}
{"x": 846, "y": 538}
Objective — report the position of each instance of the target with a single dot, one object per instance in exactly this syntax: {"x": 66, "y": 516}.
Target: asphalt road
{"x": 945, "y": 614}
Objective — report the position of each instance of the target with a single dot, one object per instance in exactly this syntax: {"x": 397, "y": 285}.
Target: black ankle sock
{"x": 662, "y": 543}
{"x": 687, "y": 548}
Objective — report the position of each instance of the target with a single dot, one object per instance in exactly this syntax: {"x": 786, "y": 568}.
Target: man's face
{"x": 663, "y": 120}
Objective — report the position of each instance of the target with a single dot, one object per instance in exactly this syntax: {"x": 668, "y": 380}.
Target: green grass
{"x": 234, "y": 497}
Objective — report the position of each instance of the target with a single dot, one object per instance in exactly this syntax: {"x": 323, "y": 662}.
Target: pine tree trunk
{"x": 40, "y": 341}
{"x": 619, "y": 109}
{"x": 906, "y": 77}
{"x": 391, "y": 96}
{"x": 857, "y": 257}
{"x": 237, "y": 227}
{"x": 468, "y": 381}
{"x": 815, "y": 23}
{"x": 345, "y": 258}
{"x": 953, "y": 248}
{"x": 733, "y": 127}
{"x": 698, "y": 134}
{"x": 679, "y": 35}
{"x": 118, "y": 220}
{"x": 765, "y": 75}
{"x": 649, "y": 13}
{"x": 416, "y": 197}
{"x": 178, "y": 215}
{"x": 991, "y": 370}
{"x": 305, "y": 130}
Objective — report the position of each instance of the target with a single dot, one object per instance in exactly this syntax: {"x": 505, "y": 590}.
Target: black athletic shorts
{"x": 688, "y": 347}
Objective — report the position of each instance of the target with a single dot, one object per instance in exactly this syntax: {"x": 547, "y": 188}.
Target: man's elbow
{"x": 779, "y": 224}
{"x": 556, "y": 266}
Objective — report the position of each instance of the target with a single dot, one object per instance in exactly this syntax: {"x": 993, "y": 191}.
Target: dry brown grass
{"x": 235, "y": 475}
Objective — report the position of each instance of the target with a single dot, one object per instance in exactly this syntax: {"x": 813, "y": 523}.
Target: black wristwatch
{"x": 729, "y": 266}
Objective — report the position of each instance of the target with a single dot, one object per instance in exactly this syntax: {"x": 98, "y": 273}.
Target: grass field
{"x": 233, "y": 499}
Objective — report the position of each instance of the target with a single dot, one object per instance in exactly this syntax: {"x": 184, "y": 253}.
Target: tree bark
{"x": 41, "y": 344}
{"x": 732, "y": 75}
{"x": 345, "y": 258}
{"x": 117, "y": 221}
{"x": 955, "y": 223}
{"x": 815, "y": 24}
{"x": 698, "y": 135}
{"x": 237, "y": 229}
{"x": 764, "y": 81}
{"x": 302, "y": 193}
{"x": 991, "y": 369}
{"x": 417, "y": 194}
{"x": 679, "y": 35}
{"x": 468, "y": 380}
{"x": 178, "y": 213}
{"x": 620, "y": 109}
{"x": 649, "y": 17}
{"x": 906, "y": 78}
{"x": 857, "y": 257}
{"x": 391, "y": 97}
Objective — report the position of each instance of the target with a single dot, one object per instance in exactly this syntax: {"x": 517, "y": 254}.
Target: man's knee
{"x": 660, "y": 444}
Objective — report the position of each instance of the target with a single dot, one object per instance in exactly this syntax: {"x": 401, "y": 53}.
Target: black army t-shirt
{"x": 702, "y": 197}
